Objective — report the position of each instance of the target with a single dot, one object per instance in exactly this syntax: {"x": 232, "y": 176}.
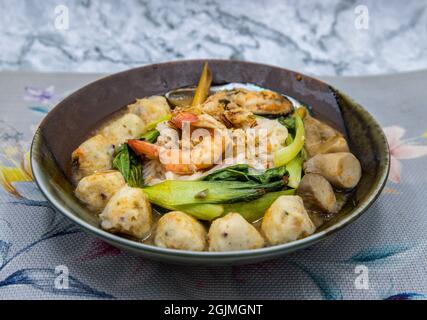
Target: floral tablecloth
{"x": 383, "y": 255}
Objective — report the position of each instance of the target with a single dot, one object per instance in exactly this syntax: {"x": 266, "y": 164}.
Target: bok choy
{"x": 254, "y": 210}
{"x": 177, "y": 192}
{"x": 129, "y": 165}
{"x": 286, "y": 154}
{"x": 240, "y": 172}
{"x": 211, "y": 198}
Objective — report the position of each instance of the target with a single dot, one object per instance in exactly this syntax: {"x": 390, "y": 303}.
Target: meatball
{"x": 317, "y": 193}
{"x": 93, "y": 155}
{"x": 150, "y": 109}
{"x": 95, "y": 190}
{"x": 233, "y": 232}
{"x": 177, "y": 230}
{"x": 128, "y": 212}
{"x": 341, "y": 169}
{"x": 128, "y": 126}
{"x": 286, "y": 220}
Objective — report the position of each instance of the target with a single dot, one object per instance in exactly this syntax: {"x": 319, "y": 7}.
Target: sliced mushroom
{"x": 317, "y": 194}
{"x": 321, "y": 138}
{"x": 341, "y": 169}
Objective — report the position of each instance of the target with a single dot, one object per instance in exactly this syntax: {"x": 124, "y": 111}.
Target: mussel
{"x": 279, "y": 106}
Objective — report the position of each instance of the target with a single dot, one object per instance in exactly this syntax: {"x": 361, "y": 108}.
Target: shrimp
{"x": 151, "y": 151}
{"x": 202, "y": 120}
{"x": 179, "y": 118}
{"x": 201, "y": 156}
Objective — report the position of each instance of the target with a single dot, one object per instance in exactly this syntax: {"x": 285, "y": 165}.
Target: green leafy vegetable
{"x": 129, "y": 165}
{"x": 209, "y": 199}
{"x": 121, "y": 160}
{"x": 289, "y": 139}
{"x": 270, "y": 175}
{"x": 150, "y": 136}
{"x": 286, "y": 154}
{"x": 240, "y": 172}
{"x": 289, "y": 123}
{"x": 172, "y": 193}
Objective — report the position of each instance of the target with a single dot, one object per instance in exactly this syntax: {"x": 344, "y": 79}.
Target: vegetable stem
{"x": 294, "y": 168}
{"x": 286, "y": 154}
{"x": 254, "y": 210}
{"x": 173, "y": 193}
{"x": 154, "y": 124}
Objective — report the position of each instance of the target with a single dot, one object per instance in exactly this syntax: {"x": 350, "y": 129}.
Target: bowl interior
{"x": 72, "y": 120}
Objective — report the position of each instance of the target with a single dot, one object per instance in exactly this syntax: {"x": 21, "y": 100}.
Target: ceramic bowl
{"x": 70, "y": 122}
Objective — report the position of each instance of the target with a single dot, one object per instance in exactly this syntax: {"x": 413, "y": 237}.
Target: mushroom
{"x": 177, "y": 230}
{"x": 233, "y": 232}
{"x": 341, "y": 169}
{"x": 321, "y": 138}
{"x": 317, "y": 193}
{"x": 286, "y": 220}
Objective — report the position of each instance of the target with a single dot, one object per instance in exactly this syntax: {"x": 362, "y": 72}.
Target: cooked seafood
{"x": 233, "y": 232}
{"x": 93, "y": 155}
{"x": 129, "y": 126}
{"x": 234, "y": 167}
{"x": 95, "y": 190}
{"x": 178, "y": 230}
{"x": 286, "y": 220}
{"x": 128, "y": 212}
{"x": 150, "y": 110}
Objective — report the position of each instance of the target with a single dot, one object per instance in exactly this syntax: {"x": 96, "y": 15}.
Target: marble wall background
{"x": 317, "y": 37}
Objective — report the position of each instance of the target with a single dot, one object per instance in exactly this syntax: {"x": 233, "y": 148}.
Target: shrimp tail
{"x": 181, "y": 117}
{"x": 147, "y": 149}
